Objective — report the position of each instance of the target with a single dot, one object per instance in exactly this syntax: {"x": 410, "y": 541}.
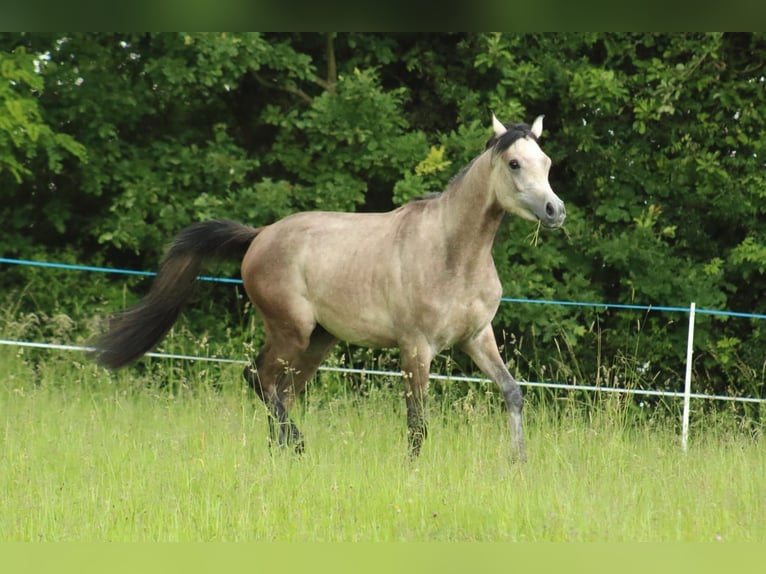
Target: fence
{"x": 686, "y": 395}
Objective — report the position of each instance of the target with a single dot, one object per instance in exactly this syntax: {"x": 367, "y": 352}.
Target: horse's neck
{"x": 471, "y": 214}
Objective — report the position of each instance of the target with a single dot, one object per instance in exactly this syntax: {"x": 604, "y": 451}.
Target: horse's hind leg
{"x": 266, "y": 376}
{"x": 278, "y": 378}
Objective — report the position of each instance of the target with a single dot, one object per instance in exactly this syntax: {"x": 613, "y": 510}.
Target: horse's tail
{"x": 139, "y": 328}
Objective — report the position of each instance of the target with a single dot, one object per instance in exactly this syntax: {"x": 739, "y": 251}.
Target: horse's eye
{"x": 514, "y": 164}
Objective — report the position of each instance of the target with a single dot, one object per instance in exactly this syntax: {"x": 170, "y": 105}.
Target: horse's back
{"x": 331, "y": 236}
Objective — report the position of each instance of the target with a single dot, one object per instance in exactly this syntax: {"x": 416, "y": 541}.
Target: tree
{"x": 27, "y": 143}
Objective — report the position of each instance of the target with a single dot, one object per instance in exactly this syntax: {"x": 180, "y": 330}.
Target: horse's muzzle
{"x": 555, "y": 214}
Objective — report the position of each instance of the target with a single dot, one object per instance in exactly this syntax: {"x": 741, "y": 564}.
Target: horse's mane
{"x": 499, "y": 144}
{"x": 515, "y": 132}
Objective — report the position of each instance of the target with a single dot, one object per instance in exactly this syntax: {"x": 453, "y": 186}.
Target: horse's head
{"x": 519, "y": 175}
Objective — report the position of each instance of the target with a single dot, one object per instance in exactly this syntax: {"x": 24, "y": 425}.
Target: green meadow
{"x": 177, "y": 451}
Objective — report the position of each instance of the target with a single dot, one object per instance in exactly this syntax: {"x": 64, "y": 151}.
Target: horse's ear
{"x": 537, "y": 126}
{"x": 498, "y": 126}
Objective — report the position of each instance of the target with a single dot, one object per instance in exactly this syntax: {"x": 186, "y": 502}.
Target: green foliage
{"x": 23, "y": 131}
{"x": 110, "y": 143}
{"x": 351, "y": 140}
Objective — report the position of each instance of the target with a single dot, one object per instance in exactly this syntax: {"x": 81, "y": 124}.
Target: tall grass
{"x": 178, "y": 451}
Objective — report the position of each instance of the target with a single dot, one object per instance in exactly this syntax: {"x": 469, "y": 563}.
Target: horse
{"x": 420, "y": 277}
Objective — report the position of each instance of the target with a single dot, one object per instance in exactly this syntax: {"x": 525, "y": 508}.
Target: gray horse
{"x": 420, "y": 277}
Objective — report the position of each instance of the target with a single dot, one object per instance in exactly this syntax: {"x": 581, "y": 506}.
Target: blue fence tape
{"x": 504, "y": 299}
{"x": 105, "y": 269}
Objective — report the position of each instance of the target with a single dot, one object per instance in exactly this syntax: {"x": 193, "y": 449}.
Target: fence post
{"x": 688, "y": 379}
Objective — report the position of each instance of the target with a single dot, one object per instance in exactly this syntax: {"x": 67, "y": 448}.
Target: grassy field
{"x": 179, "y": 453}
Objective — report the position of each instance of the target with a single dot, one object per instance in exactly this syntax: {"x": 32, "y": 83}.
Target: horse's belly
{"x": 363, "y": 329}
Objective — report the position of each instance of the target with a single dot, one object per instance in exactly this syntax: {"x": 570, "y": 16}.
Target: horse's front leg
{"x": 416, "y": 363}
{"x": 483, "y": 350}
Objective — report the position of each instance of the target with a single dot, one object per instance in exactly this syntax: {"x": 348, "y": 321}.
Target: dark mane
{"x": 499, "y": 145}
{"x": 515, "y": 132}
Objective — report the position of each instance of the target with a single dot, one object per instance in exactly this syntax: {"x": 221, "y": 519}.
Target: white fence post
{"x": 688, "y": 379}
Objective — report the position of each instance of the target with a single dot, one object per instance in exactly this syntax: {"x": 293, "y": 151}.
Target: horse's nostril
{"x": 549, "y": 210}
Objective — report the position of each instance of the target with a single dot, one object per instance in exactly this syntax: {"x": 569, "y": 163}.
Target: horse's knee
{"x": 515, "y": 403}
{"x": 514, "y": 399}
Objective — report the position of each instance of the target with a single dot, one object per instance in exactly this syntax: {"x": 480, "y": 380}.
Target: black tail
{"x": 139, "y": 328}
